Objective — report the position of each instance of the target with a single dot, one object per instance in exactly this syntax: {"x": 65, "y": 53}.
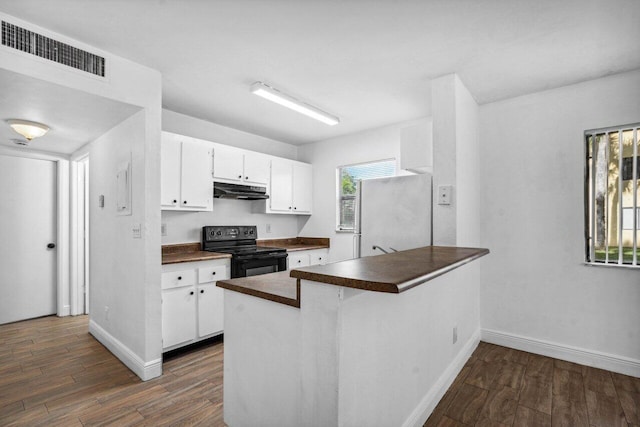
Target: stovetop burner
{"x": 236, "y": 240}
{"x": 248, "y": 259}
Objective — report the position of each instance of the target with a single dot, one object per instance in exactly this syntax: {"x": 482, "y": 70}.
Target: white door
{"x": 196, "y": 186}
{"x": 256, "y": 169}
{"x": 227, "y": 164}
{"x": 281, "y": 178}
{"x": 210, "y": 309}
{"x": 27, "y": 226}
{"x": 302, "y": 188}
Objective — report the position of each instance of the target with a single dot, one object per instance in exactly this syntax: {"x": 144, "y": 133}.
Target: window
{"x": 612, "y": 193}
{"x": 348, "y": 176}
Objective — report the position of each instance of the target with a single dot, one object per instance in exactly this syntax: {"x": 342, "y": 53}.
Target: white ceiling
{"x": 368, "y": 62}
{"x": 75, "y": 117}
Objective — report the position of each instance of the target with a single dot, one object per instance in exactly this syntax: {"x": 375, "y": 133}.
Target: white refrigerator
{"x": 392, "y": 214}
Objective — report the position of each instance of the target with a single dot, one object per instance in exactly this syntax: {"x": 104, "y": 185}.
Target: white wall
{"x": 120, "y": 302}
{"x": 534, "y": 282}
{"x": 135, "y": 336}
{"x": 326, "y": 156}
{"x": 467, "y": 156}
{"x": 198, "y": 128}
{"x": 185, "y": 227}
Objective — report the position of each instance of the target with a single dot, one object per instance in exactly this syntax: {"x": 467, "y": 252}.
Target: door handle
{"x": 51, "y": 245}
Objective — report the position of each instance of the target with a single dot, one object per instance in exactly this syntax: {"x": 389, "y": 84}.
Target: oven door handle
{"x": 272, "y": 255}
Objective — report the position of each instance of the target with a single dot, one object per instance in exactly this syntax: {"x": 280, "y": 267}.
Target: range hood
{"x": 222, "y": 190}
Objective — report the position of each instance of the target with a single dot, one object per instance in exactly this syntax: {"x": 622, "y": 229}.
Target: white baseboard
{"x": 610, "y": 362}
{"x": 430, "y": 400}
{"x": 145, "y": 370}
{"x": 65, "y": 311}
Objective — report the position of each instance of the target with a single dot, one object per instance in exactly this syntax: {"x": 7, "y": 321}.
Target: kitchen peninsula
{"x": 370, "y": 341}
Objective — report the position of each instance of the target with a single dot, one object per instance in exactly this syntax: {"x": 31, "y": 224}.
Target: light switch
{"x": 444, "y": 194}
{"x": 137, "y": 231}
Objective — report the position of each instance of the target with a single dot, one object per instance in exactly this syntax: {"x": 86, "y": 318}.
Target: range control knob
{"x": 219, "y": 233}
{"x": 250, "y": 231}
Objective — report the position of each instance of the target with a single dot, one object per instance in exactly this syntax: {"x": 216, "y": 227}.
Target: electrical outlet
{"x": 455, "y": 334}
{"x": 444, "y": 194}
{"x": 163, "y": 229}
{"x": 268, "y": 228}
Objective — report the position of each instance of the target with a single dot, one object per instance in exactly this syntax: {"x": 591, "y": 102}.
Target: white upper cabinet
{"x": 256, "y": 168}
{"x": 290, "y": 187}
{"x": 185, "y": 174}
{"x": 239, "y": 166}
{"x": 227, "y": 164}
{"x": 302, "y": 188}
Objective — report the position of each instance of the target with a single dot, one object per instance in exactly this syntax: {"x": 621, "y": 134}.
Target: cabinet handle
{"x": 179, "y": 277}
{"x": 246, "y": 177}
{"x": 214, "y": 273}
{"x": 295, "y": 209}
{"x": 185, "y": 202}
{"x": 191, "y": 293}
{"x": 175, "y": 201}
{"x": 289, "y": 207}
{"x": 299, "y": 261}
{"x": 202, "y": 291}
{"x": 239, "y": 176}
{"x": 320, "y": 258}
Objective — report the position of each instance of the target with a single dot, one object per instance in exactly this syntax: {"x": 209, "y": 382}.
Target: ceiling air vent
{"x": 36, "y": 44}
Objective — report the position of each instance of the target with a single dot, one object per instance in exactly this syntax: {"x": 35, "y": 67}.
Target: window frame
{"x": 590, "y": 208}
{"x": 340, "y": 197}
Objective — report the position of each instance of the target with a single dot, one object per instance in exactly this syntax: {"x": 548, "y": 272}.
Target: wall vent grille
{"x": 36, "y": 44}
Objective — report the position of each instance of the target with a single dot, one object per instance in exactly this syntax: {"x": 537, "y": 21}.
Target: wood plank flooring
{"x": 53, "y": 373}
{"x": 500, "y": 387}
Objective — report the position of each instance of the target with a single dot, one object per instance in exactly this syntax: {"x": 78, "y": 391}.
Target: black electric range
{"x": 248, "y": 259}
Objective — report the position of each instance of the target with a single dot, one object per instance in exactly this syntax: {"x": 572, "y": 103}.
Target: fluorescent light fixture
{"x": 28, "y": 129}
{"x": 274, "y": 95}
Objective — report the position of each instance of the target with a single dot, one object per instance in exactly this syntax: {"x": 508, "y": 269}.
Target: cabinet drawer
{"x": 213, "y": 273}
{"x": 298, "y": 260}
{"x": 177, "y": 279}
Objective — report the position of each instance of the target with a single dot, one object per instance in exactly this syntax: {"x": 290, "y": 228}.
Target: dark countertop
{"x": 395, "y": 272}
{"x": 278, "y": 287}
{"x": 296, "y": 243}
{"x": 188, "y": 252}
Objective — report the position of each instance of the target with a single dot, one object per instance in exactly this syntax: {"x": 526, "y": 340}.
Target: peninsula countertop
{"x": 392, "y": 273}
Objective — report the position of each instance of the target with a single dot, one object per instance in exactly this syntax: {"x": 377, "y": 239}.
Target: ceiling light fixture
{"x": 274, "y": 95}
{"x": 28, "y": 129}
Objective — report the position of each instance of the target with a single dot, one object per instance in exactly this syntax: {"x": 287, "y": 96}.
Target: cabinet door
{"x": 169, "y": 172}
{"x": 302, "y": 188}
{"x": 197, "y": 185}
{"x": 210, "y": 309}
{"x": 227, "y": 164}
{"x": 256, "y": 168}
{"x": 178, "y": 316}
{"x": 280, "y": 188}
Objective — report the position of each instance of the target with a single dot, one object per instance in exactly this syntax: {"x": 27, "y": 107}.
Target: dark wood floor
{"x": 504, "y": 387}
{"x": 53, "y": 373}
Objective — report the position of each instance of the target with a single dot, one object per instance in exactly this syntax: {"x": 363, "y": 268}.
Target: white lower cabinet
{"x": 192, "y": 305}
{"x": 210, "y": 310}
{"x": 178, "y": 321}
{"x": 299, "y": 259}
